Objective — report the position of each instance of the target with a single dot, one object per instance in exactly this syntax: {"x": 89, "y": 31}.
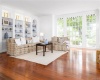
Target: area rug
{"x": 40, "y": 59}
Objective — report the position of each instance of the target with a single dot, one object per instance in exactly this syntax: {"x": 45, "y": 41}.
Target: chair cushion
{"x": 54, "y": 39}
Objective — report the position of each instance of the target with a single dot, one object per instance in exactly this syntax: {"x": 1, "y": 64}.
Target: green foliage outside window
{"x": 74, "y": 29}
{"x": 74, "y": 25}
{"x": 60, "y": 24}
{"x": 91, "y": 32}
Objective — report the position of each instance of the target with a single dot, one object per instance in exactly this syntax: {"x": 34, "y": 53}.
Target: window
{"x": 91, "y": 30}
{"x": 60, "y": 27}
{"x": 74, "y": 30}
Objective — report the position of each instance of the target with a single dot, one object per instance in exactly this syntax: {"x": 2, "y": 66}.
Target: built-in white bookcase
{"x": 7, "y": 28}
{"x": 18, "y": 28}
{"x": 34, "y": 28}
{"x": 27, "y": 29}
{"x": 13, "y": 25}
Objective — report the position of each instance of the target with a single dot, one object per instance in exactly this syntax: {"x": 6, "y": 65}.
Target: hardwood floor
{"x": 78, "y": 64}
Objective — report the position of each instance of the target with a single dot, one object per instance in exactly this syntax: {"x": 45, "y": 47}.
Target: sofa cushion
{"x": 60, "y": 40}
{"x": 24, "y": 45}
{"x": 30, "y": 45}
{"x": 29, "y": 41}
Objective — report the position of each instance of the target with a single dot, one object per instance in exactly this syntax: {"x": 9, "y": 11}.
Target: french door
{"x": 91, "y": 30}
{"x": 80, "y": 28}
{"x": 74, "y": 30}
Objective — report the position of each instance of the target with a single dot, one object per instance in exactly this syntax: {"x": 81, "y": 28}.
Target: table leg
{"x": 43, "y": 50}
{"x": 36, "y": 49}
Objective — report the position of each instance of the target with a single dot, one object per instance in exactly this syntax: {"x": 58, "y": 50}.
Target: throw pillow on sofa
{"x": 60, "y": 40}
{"x": 18, "y": 42}
{"x": 23, "y": 40}
{"x": 35, "y": 39}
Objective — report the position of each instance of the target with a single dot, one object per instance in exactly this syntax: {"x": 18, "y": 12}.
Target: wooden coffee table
{"x": 44, "y": 47}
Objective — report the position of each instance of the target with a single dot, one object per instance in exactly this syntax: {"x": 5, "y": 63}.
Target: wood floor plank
{"x": 78, "y": 64}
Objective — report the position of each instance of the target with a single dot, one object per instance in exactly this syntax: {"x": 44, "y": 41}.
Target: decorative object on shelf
{"x": 34, "y": 27}
{"x": 21, "y": 31}
{"x": 10, "y": 29}
{"x": 27, "y": 28}
{"x": 7, "y": 28}
{"x": 6, "y": 36}
{"x": 5, "y": 22}
{"x": 18, "y": 35}
{"x": 27, "y": 24}
{"x": 3, "y": 28}
{"x": 34, "y": 30}
{"x": 20, "y": 25}
{"x": 10, "y": 23}
{"x": 18, "y": 28}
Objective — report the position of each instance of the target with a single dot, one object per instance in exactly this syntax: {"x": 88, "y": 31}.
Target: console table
{"x": 44, "y": 47}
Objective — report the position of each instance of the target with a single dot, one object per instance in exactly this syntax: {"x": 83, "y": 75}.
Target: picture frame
{"x": 5, "y": 22}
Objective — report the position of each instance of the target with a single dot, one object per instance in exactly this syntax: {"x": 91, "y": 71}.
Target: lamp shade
{"x": 41, "y": 34}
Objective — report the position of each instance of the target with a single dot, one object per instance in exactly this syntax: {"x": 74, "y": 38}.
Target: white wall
{"x": 0, "y": 30}
{"x": 46, "y": 26}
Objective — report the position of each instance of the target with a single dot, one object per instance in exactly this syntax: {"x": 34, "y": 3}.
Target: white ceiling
{"x": 47, "y": 7}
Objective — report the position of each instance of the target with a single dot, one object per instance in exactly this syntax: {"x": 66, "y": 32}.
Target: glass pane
{"x": 74, "y": 29}
{"x": 91, "y": 30}
{"x": 60, "y": 26}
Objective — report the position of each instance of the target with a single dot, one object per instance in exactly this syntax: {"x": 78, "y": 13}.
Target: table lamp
{"x": 41, "y": 37}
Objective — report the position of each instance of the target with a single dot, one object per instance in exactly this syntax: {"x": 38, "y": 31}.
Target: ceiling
{"x": 48, "y": 7}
